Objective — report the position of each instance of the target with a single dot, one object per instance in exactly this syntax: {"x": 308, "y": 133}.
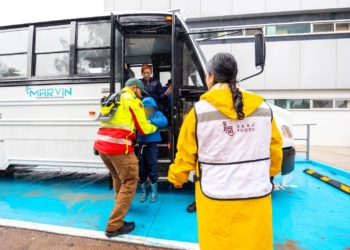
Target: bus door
{"x": 188, "y": 75}
{"x": 146, "y": 39}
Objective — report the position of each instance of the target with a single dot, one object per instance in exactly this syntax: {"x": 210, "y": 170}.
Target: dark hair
{"x": 224, "y": 68}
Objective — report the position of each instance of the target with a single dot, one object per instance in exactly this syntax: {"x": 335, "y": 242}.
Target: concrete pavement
{"x": 335, "y": 156}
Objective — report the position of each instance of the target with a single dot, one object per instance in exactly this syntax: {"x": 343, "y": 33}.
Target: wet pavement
{"x": 307, "y": 213}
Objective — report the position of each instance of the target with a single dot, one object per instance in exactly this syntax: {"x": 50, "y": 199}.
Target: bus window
{"x": 13, "y": 53}
{"x": 164, "y": 77}
{"x": 190, "y": 73}
{"x": 93, "y": 50}
{"x": 52, "y": 51}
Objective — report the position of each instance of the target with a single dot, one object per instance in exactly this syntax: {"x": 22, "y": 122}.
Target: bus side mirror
{"x": 260, "y": 50}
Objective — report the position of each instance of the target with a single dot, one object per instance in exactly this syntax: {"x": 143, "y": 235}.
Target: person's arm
{"x": 160, "y": 92}
{"x": 159, "y": 120}
{"x": 186, "y": 156}
{"x": 140, "y": 120}
{"x": 276, "y": 154}
{"x": 126, "y": 75}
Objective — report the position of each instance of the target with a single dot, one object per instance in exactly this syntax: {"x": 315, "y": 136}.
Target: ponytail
{"x": 238, "y": 101}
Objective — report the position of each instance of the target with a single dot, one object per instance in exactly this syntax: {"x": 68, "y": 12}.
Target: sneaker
{"x": 192, "y": 208}
{"x": 125, "y": 229}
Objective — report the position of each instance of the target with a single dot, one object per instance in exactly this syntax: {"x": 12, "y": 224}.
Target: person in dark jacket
{"x": 153, "y": 86}
{"x": 148, "y": 149}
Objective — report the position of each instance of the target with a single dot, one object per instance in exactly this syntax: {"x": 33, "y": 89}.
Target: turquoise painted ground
{"x": 308, "y": 214}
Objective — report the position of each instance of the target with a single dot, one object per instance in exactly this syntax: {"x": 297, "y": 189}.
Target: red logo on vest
{"x": 228, "y": 129}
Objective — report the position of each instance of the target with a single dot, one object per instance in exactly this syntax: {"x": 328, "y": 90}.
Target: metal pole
{"x": 308, "y": 142}
{"x": 174, "y": 83}
{"x": 112, "y": 57}
{"x": 72, "y": 48}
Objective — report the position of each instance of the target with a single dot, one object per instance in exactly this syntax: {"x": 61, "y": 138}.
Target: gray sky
{"x": 23, "y": 11}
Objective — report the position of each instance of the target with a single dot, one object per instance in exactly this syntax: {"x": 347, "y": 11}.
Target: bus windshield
{"x": 199, "y": 49}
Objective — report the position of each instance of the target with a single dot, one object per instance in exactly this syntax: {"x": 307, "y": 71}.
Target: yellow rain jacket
{"x": 227, "y": 224}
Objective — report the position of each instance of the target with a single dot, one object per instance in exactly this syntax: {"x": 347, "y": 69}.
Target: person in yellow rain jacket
{"x": 115, "y": 143}
{"x": 231, "y": 140}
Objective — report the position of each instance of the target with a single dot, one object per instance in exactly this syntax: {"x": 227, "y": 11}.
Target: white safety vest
{"x": 233, "y": 155}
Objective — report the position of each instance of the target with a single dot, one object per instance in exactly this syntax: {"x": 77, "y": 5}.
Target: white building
{"x": 308, "y": 54}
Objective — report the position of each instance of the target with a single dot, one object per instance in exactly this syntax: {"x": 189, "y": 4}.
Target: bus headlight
{"x": 286, "y": 131}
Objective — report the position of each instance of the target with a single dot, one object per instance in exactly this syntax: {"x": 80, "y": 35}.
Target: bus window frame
{"x": 2, "y": 79}
{"x": 34, "y": 54}
{"x": 72, "y": 77}
{"x": 76, "y": 49}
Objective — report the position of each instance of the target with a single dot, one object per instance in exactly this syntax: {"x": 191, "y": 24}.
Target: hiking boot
{"x": 125, "y": 229}
{"x": 154, "y": 193}
{"x": 144, "y": 192}
{"x": 192, "y": 208}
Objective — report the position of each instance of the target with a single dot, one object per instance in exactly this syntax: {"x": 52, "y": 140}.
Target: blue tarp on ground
{"x": 307, "y": 214}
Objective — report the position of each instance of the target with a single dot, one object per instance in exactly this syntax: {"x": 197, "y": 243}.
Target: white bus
{"x": 53, "y": 75}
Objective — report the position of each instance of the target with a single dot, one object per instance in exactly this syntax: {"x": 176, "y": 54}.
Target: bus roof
{"x": 104, "y": 15}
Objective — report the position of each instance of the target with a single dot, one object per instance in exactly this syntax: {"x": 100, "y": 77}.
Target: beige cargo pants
{"x": 125, "y": 174}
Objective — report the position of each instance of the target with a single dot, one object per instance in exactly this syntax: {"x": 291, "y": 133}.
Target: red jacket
{"x": 118, "y": 135}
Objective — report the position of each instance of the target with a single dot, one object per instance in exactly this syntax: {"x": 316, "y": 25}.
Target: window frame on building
{"x": 265, "y": 26}
{"x": 310, "y": 102}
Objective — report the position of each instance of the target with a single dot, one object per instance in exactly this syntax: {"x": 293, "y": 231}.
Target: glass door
{"x": 188, "y": 76}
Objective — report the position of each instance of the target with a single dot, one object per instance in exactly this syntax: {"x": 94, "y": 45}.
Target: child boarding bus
{"x": 53, "y": 75}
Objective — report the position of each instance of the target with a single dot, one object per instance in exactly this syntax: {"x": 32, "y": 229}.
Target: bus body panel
{"x": 50, "y": 124}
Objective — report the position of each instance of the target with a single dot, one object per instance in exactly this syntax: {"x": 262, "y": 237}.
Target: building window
{"x": 252, "y": 32}
{"x": 305, "y": 103}
{"x": 270, "y": 101}
{"x": 52, "y": 51}
{"x": 291, "y": 103}
{"x": 284, "y": 29}
{"x": 233, "y": 33}
{"x": 342, "y": 26}
{"x": 219, "y": 33}
{"x": 327, "y": 104}
{"x": 323, "y": 27}
{"x": 13, "y": 53}
{"x": 93, "y": 51}
{"x": 300, "y": 104}
{"x": 282, "y": 103}
{"x": 342, "y": 104}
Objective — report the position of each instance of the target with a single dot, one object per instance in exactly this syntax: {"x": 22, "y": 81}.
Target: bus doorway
{"x": 150, "y": 40}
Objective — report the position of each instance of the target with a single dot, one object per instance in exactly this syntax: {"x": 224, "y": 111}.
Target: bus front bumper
{"x": 288, "y": 160}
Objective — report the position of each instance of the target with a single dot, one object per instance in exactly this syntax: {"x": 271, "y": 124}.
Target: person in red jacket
{"x": 115, "y": 141}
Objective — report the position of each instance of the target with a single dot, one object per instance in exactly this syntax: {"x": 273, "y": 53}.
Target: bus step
{"x": 164, "y": 160}
{"x": 158, "y": 145}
